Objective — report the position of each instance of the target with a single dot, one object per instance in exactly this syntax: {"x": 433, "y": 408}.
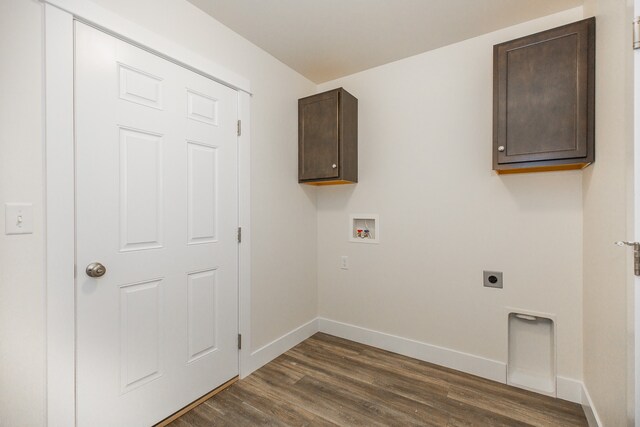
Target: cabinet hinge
{"x": 239, "y": 341}
{"x": 239, "y": 127}
{"x": 239, "y": 234}
{"x": 636, "y": 33}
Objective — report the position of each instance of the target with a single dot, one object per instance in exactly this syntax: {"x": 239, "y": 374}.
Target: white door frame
{"x": 633, "y": 224}
{"x": 59, "y": 199}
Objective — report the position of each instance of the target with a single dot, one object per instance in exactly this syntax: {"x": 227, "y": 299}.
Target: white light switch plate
{"x": 344, "y": 262}
{"x": 18, "y": 218}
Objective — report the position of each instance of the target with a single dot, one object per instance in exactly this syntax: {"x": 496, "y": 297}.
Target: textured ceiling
{"x": 327, "y": 39}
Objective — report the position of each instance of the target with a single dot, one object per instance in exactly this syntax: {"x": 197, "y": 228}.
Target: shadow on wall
{"x": 310, "y": 192}
{"x": 340, "y": 196}
{"x": 531, "y": 191}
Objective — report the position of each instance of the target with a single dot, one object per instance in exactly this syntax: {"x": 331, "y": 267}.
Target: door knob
{"x": 95, "y": 269}
{"x": 334, "y": 166}
{"x": 501, "y": 148}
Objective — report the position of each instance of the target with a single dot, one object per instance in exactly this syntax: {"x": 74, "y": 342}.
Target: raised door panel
{"x": 201, "y": 193}
{"x": 140, "y": 87}
{"x": 202, "y": 108}
{"x": 318, "y": 136}
{"x": 140, "y": 332}
{"x": 202, "y": 314}
{"x": 141, "y": 206}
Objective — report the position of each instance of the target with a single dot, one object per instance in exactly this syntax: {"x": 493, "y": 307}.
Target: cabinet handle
{"x": 334, "y": 166}
{"x": 501, "y": 148}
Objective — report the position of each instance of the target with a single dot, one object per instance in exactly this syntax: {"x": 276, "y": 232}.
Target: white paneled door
{"x": 157, "y": 206}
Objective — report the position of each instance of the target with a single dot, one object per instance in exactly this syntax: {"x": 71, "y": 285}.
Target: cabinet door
{"x": 542, "y": 86}
{"x": 318, "y": 136}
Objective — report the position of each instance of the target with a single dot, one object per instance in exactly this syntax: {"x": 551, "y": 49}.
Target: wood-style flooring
{"x": 328, "y": 381}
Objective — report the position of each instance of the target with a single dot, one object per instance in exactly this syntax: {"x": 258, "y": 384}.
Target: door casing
{"x": 59, "y": 194}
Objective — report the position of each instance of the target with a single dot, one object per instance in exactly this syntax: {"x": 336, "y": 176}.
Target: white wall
{"x": 21, "y": 257}
{"x": 425, "y": 166}
{"x": 284, "y": 290}
{"x": 607, "y": 268}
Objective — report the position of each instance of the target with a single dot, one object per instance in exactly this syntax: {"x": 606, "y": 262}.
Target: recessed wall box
{"x": 532, "y": 352}
{"x": 364, "y": 228}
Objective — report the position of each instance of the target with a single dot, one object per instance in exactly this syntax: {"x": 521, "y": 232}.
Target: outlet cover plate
{"x": 492, "y": 279}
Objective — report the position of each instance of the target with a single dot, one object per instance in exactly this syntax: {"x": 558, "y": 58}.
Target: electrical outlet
{"x": 344, "y": 262}
{"x": 492, "y": 279}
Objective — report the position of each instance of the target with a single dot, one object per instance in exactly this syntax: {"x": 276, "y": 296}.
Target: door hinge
{"x": 239, "y": 234}
{"x": 636, "y": 255}
{"x": 239, "y": 127}
{"x": 636, "y": 33}
{"x": 239, "y": 341}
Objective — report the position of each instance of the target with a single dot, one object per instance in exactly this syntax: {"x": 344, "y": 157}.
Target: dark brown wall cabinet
{"x": 543, "y": 100}
{"x": 328, "y": 138}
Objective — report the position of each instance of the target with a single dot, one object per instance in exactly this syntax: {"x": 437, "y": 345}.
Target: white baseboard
{"x": 569, "y": 389}
{"x": 589, "y": 409}
{"x": 275, "y": 348}
{"x": 486, "y": 368}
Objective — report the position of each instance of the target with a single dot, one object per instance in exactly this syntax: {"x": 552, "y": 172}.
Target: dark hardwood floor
{"x": 328, "y": 381}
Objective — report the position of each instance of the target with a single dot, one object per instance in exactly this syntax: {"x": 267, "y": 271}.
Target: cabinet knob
{"x": 334, "y": 166}
{"x": 501, "y": 148}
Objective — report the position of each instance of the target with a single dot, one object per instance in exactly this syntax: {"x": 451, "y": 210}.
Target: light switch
{"x": 18, "y": 218}
{"x": 344, "y": 262}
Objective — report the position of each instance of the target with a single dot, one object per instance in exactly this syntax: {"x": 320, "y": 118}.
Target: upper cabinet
{"x": 543, "y": 100}
{"x": 328, "y": 138}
